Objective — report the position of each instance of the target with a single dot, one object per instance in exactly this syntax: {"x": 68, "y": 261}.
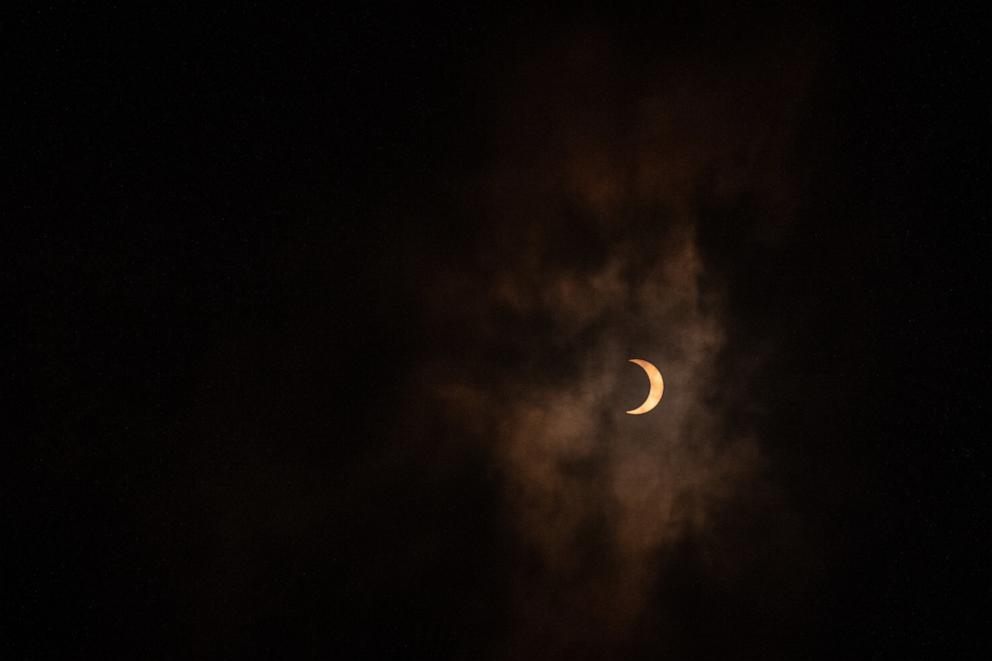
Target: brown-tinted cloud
{"x": 588, "y": 254}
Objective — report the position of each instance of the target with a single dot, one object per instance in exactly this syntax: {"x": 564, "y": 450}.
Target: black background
{"x": 214, "y": 214}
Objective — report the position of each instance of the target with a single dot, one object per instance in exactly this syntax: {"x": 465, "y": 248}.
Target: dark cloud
{"x": 588, "y": 219}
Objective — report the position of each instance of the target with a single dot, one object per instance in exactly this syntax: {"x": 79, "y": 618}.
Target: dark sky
{"x": 320, "y": 323}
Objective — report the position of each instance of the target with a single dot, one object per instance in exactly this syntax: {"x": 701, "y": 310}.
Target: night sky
{"x": 319, "y": 325}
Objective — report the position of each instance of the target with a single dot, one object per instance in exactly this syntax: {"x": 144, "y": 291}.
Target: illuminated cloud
{"x": 589, "y": 255}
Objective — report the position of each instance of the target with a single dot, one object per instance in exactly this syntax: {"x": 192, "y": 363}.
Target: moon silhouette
{"x": 657, "y": 387}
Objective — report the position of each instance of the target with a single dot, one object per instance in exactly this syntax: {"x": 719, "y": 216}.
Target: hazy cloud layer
{"x": 588, "y": 255}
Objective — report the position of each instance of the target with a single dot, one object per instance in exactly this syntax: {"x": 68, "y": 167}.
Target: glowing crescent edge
{"x": 657, "y": 387}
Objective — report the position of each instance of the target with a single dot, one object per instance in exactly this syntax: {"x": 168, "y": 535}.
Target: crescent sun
{"x": 657, "y": 387}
